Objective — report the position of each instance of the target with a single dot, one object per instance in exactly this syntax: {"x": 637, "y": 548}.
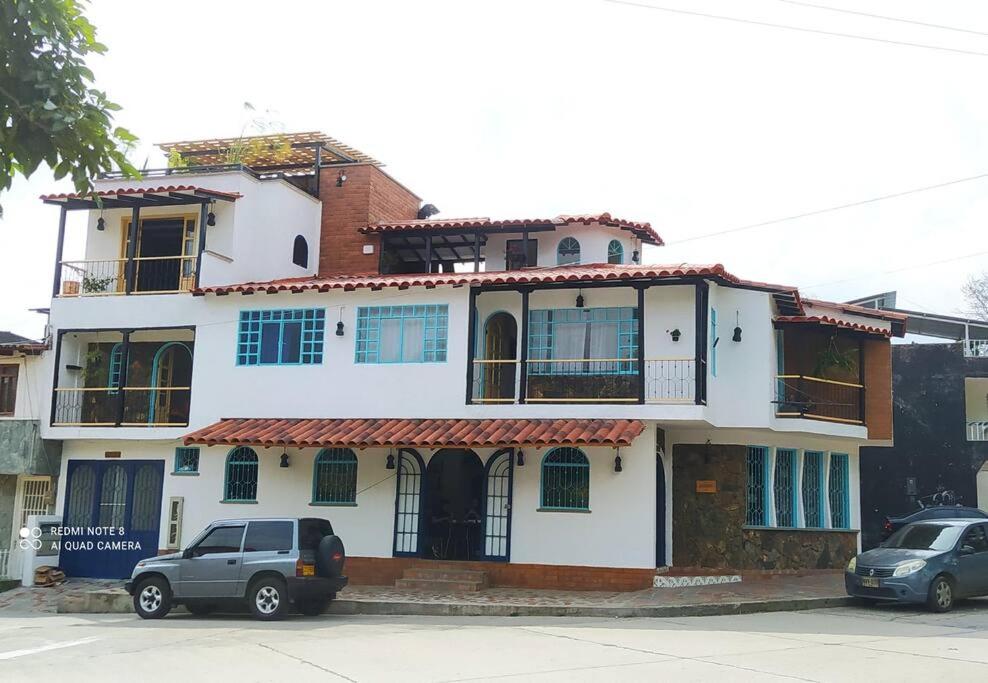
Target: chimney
{"x": 366, "y": 195}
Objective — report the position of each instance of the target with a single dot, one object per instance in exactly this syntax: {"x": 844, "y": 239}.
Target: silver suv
{"x": 267, "y": 563}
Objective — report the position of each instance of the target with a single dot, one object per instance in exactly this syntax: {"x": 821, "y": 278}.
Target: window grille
{"x": 241, "y": 475}
{"x": 756, "y": 508}
{"x": 840, "y": 513}
{"x": 565, "y": 480}
{"x": 334, "y": 479}
{"x": 784, "y": 486}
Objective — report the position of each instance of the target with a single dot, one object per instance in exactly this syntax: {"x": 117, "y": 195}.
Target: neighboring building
{"x": 297, "y": 336}
{"x": 940, "y": 393}
{"x": 28, "y": 465}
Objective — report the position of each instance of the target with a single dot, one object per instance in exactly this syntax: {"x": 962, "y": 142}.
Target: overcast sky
{"x": 522, "y": 109}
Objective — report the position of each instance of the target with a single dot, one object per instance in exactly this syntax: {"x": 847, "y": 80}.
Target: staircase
{"x": 443, "y": 578}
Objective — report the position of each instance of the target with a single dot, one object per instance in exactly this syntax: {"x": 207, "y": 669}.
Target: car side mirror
{"x": 967, "y": 550}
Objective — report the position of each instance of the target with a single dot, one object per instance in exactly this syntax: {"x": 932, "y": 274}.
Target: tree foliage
{"x": 49, "y": 110}
{"x": 975, "y": 292}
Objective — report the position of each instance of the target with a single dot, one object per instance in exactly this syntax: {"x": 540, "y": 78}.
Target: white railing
{"x": 977, "y": 431}
{"x": 10, "y": 564}
{"x": 976, "y": 348}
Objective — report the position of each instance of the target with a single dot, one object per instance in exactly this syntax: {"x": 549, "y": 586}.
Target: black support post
{"x": 476, "y": 252}
{"x": 135, "y": 219}
{"x": 471, "y": 342}
{"x": 700, "y": 362}
{"x": 318, "y": 169}
{"x": 428, "y": 253}
{"x": 524, "y": 248}
{"x": 641, "y": 343}
{"x": 861, "y": 381}
{"x": 523, "y": 369}
{"x": 54, "y": 383}
{"x": 124, "y": 364}
{"x": 57, "y": 286}
{"x": 203, "y": 210}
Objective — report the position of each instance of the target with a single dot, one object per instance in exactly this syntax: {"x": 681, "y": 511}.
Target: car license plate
{"x": 869, "y": 582}
{"x": 308, "y": 570}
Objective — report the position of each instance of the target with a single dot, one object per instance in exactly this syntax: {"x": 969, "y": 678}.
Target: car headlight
{"x": 852, "y": 565}
{"x": 910, "y": 567}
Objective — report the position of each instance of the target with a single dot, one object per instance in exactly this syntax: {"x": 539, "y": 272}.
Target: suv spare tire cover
{"x": 325, "y": 564}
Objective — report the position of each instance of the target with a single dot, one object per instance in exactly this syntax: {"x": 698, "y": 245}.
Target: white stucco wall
{"x": 593, "y": 240}
{"x": 32, "y": 381}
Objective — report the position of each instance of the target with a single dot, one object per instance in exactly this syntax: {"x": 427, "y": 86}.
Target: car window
{"x": 975, "y": 537}
{"x": 269, "y": 536}
{"x": 222, "y": 539}
{"x": 311, "y": 531}
{"x": 922, "y": 536}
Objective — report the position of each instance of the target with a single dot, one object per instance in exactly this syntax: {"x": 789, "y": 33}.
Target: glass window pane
{"x": 291, "y": 343}
{"x": 269, "y": 536}
{"x": 270, "y": 339}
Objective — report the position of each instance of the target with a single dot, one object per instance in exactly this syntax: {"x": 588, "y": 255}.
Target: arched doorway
{"x": 500, "y": 350}
{"x": 171, "y": 375}
{"x": 453, "y": 505}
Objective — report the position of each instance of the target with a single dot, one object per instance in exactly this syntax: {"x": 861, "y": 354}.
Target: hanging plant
{"x": 94, "y": 360}
{"x": 833, "y": 360}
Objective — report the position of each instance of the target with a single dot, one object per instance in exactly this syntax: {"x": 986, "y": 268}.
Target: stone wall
{"x": 708, "y": 528}
{"x": 23, "y": 452}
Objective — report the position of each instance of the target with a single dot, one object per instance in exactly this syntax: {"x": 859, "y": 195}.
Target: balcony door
{"x": 165, "y": 247}
{"x": 171, "y": 377}
{"x": 500, "y": 352}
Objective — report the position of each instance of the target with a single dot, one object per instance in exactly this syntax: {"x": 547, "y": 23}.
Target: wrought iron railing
{"x": 823, "y": 399}
{"x": 977, "y": 430}
{"x": 150, "y": 274}
{"x": 976, "y": 348}
{"x": 121, "y": 407}
{"x": 670, "y": 380}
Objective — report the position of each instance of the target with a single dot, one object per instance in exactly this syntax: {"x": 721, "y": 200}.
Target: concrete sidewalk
{"x": 763, "y": 594}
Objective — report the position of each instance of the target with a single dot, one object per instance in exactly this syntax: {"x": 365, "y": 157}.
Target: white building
{"x": 289, "y": 337}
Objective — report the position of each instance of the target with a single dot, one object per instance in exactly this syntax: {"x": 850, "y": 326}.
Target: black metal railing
{"x": 121, "y": 407}
{"x": 815, "y": 397}
{"x": 107, "y": 277}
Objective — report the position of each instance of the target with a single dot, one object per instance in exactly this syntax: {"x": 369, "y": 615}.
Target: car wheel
{"x": 153, "y": 598}
{"x": 941, "y": 597}
{"x": 312, "y": 608}
{"x": 268, "y": 598}
{"x": 200, "y": 609}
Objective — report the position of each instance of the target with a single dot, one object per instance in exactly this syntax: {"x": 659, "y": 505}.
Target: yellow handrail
{"x": 821, "y": 380}
{"x": 123, "y": 388}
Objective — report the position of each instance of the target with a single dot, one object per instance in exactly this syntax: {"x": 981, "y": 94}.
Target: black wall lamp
{"x": 617, "y": 462}
{"x": 339, "y": 329}
{"x": 521, "y": 458}
{"x": 676, "y": 334}
{"x": 211, "y": 219}
{"x": 100, "y": 223}
{"x": 737, "y": 329}
{"x": 580, "y": 301}
{"x": 340, "y": 179}
{"x": 284, "y": 459}
{"x": 390, "y": 463}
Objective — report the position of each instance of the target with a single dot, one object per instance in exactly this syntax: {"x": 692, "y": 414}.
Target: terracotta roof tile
{"x": 828, "y": 320}
{"x": 54, "y": 198}
{"x": 451, "y": 433}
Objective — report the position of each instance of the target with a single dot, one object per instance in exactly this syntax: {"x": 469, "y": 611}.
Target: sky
{"x": 516, "y": 109}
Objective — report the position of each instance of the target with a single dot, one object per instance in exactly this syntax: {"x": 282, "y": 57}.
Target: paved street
{"x": 887, "y": 643}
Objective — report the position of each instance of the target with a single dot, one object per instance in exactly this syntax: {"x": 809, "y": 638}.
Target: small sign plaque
{"x": 706, "y": 486}
{"x": 111, "y": 454}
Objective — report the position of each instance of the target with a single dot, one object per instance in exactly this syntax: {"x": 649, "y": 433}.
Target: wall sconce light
{"x": 737, "y": 329}
{"x": 521, "y": 458}
{"x": 580, "y": 301}
{"x": 675, "y": 334}
{"x": 339, "y": 329}
{"x": 635, "y": 256}
{"x": 100, "y": 223}
{"x": 284, "y": 459}
{"x": 617, "y": 462}
{"x": 340, "y": 179}
{"x": 211, "y": 217}
{"x": 390, "y": 464}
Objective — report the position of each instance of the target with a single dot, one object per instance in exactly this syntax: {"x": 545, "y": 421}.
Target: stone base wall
{"x": 708, "y": 528}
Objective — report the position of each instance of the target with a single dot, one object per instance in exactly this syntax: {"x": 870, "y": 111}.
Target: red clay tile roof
{"x": 828, "y": 320}
{"x": 643, "y": 231}
{"x": 164, "y": 189}
{"x": 595, "y": 272}
{"x": 373, "y": 432}
{"x": 879, "y": 313}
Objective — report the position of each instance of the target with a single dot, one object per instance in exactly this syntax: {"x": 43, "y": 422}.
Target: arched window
{"x": 241, "y": 476}
{"x": 615, "y": 252}
{"x": 300, "y": 252}
{"x": 334, "y": 477}
{"x": 565, "y": 480}
{"x": 568, "y": 251}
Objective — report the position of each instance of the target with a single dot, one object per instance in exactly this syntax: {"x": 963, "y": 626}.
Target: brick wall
{"x": 878, "y": 388}
{"x": 367, "y": 196}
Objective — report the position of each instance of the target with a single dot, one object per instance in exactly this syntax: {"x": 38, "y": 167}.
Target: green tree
{"x": 49, "y": 110}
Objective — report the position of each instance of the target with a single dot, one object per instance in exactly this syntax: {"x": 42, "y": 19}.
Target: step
{"x": 445, "y": 574}
{"x": 440, "y": 585}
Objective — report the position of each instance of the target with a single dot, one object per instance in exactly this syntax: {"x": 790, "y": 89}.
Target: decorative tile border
{"x": 686, "y": 581}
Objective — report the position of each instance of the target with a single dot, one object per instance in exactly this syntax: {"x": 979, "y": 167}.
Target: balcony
{"x": 123, "y": 378}
{"x": 151, "y": 274}
{"x": 977, "y": 430}
{"x": 590, "y": 380}
{"x": 819, "y": 398}
{"x": 976, "y": 348}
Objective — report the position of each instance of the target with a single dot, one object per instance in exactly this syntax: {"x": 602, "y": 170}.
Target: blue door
{"x": 112, "y": 515}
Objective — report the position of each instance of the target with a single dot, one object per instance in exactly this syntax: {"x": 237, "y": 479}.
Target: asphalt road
{"x": 873, "y": 644}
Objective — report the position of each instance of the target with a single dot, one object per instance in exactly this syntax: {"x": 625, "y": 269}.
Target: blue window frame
{"x": 568, "y": 252}
{"x": 565, "y": 480}
{"x": 186, "y": 460}
{"x": 583, "y": 341}
{"x": 714, "y": 340}
{"x": 402, "y": 334}
{"x": 812, "y": 489}
{"x": 334, "y": 477}
{"x": 615, "y": 252}
{"x": 240, "y": 485}
{"x": 839, "y": 492}
{"x": 784, "y": 487}
{"x": 756, "y": 486}
{"x": 281, "y": 337}
{"x": 116, "y": 367}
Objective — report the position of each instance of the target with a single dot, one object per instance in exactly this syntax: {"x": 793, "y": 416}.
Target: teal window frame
{"x": 714, "y": 339}
{"x": 334, "y": 477}
{"x": 615, "y": 252}
{"x": 758, "y": 476}
{"x": 542, "y": 324}
{"x": 563, "y": 470}
{"x": 240, "y": 476}
{"x": 813, "y": 490}
{"x": 115, "y": 368}
{"x": 839, "y": 491}
{"x": 435, "y": 332}
{"x": 784, "y": 487}
{"x": 572, "y": 247}
{"x": 186, "y": 460}
{"x": 254, "y": 324}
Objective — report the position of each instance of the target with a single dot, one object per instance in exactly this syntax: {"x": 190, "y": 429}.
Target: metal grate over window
{"x": 568, "y": 252}
{"x": 615, "y": 252}
{"x": 784, "y": 486}
{"x": 334, "y": 479}
{"x": 241, "y": 475}
{"x": 756, "y": 508}
{"x": 565, "y": 480}
{"x": 187, "y": 459}
{"x": 281, "y": 337}
{"x": 840, "y": 505}
{"x": 813, "y": 489}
